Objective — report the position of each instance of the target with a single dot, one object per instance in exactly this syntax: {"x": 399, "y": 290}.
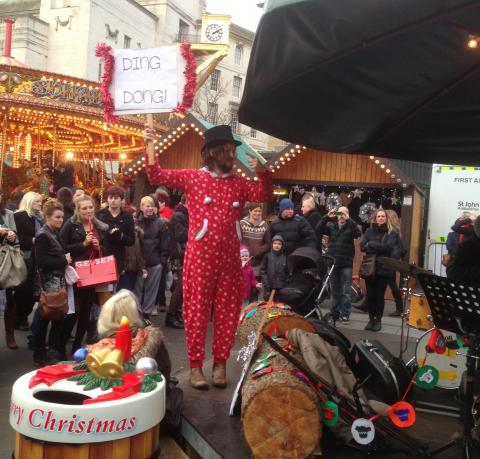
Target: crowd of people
{"x": 155, "y": 251}
{"x": 55, "y": 233}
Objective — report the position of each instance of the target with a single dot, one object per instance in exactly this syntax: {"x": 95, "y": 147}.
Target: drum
{"x": 450, "y": 366}
{"x": 420, "y": 316}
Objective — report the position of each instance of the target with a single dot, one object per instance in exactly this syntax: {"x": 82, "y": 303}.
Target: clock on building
{"x": 215, "y": 29}
{"x": 214, "y": 32}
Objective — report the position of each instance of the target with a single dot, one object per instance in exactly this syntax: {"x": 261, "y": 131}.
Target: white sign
{"x": 453, "y": 190}
{"x": 147, "y": 80}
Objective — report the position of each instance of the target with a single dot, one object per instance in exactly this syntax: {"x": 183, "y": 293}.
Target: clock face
{"x": 214, "y": 32}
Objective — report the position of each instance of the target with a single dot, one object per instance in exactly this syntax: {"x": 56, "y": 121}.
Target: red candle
{"x": 123, "y": 340}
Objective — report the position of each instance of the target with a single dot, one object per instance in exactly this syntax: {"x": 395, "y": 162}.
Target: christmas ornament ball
{"x": 80, "y": 354}
{"x": 146, "y": 365}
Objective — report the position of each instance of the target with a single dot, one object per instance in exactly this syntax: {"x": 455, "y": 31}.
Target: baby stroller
{"x": 308, "y": 281}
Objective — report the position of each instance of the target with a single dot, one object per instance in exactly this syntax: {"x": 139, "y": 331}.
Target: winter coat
{"x": 464, "y": 265}
{"x": 274, "y": 268}
{"x": 155, "y": 239}
{"x": 27, "y": 227}
{"x": 125, "y": 236}
{"x": 178, "y": 229}
{"x": 313, "y": 217}
{"x": 249, "y": 281}
{"x": 8, "y": 220}
{"x": 134, "y": 261}
{"x": 73, "y": 234}
{"x": 257, "y": 239}
{"x": 49, "y": 252}
{"x": 340, "y": 240}
{"x": 295, "y": 231}
{"x": 376, "y": 240}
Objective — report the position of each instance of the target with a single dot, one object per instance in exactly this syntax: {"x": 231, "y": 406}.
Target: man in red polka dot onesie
{"x": 212, "y": 275}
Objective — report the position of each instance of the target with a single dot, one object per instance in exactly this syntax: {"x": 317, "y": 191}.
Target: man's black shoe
{"x": 174, "y": 323}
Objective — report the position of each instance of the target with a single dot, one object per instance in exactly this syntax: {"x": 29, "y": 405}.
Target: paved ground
{"x": 208, "y": 411}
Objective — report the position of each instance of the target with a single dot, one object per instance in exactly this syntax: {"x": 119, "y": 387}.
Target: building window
{"x": 212, "y": 112}
{"x": 253, "y": 133}
{"x": 182, "y": 30}
{"x": 127, "y": 41}
{"x": 234, "y": 120}
{"x": 238, "y": 54}
{"x": 214, "y": 79}
{"x": 237, "y": 84}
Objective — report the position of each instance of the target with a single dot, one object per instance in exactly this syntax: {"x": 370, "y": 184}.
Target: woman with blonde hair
{"x": 28, "y": 220}
{"x": 392, "y": 283}
{"x": 84, "y": 236}
{"x": 148, "y": 341}
{"x": 381, "y": 239}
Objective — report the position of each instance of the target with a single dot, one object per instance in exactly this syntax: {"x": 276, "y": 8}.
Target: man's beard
{"x": 225, "y": 165}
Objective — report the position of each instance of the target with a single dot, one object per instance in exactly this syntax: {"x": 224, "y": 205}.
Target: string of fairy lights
{"x": 68, "y": 134}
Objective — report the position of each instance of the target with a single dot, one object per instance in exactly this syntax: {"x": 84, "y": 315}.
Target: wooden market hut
{"x": 299, "y": 165}
{"x": 179, "y": 148}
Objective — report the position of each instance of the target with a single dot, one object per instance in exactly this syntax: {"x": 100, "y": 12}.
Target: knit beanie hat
{"x": 286, "y": 204}
{"x": 244, "y": 250}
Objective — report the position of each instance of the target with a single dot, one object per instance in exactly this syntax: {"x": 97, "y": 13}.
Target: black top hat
{"x": 218, "y": 135}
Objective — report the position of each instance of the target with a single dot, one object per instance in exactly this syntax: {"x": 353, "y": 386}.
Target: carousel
{"x": 49, "y": 120}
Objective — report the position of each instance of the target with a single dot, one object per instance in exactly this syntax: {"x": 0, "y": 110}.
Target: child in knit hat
{"x": 249, "y": 279}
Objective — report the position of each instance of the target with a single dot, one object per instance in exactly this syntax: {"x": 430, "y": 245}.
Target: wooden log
{"x": 278, "y": 315}
{"x": 281, "y": 417}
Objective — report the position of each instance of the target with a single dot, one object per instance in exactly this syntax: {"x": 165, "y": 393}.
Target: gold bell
{"x": 112, "y": 365}
{"x": 95, "y": 359}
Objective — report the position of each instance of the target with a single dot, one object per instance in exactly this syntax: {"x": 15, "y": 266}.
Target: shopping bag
{"x": 96, "y": 271}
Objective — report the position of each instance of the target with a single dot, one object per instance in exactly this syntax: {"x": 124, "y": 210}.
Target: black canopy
{"x": 393, "y": 78}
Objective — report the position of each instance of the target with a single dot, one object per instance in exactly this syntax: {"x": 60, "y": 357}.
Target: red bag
{"x": 96, "y": 271}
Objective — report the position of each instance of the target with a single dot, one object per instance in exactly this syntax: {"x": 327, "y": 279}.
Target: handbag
{"x": 13, "y": 270}
{"x": 96, "y": 271}
{"x": 53, "y": 305}
{"x": 367, "y": 268}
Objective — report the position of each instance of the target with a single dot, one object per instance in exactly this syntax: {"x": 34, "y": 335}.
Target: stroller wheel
{"x": 330, "y": 319}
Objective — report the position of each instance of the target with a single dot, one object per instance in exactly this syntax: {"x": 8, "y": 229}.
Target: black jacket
{"x": 73, "y": 234}
{"x": 464, "y": 266}
{"x": 25, "y": 229}
{"x": 313, "y": 218}
{"x": 49, "y": 252}
{"x": 340, "y": 240}
{"x": 274, "y": 269}
{"x": 125, "y": 236}
{"x": 178, "y": 228}
{"x": 295, "y": 231}
{"x": 377, "y": 241}
{"x": 155, "y": 240}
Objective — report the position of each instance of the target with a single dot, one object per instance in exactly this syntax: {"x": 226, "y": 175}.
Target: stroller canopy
{"x": 305, "y": 258}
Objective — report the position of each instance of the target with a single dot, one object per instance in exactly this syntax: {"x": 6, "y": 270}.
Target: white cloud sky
{"x": 245, "y": 13}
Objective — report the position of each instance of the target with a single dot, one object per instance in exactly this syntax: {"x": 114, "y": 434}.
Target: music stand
{"x": 456, "y": 308}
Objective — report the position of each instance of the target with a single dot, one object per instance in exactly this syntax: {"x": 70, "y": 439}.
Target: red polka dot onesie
{"x": 212, "y": 272}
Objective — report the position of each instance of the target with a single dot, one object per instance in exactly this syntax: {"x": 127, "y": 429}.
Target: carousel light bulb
{"x": 382, "y": 166}
{"x": 377, "y": 161}
{"x": 123, "y": 156}
{"x": 372, "y": 157}
{"x": 69, "y": 155}
{"x": 387, "y": 171}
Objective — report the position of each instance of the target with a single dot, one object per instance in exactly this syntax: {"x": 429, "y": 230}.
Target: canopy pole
{"x": 4, "y": 145}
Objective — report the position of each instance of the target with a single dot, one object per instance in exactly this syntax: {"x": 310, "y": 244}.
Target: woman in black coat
{"x": 383, "y": 240}
{"x": 84, "y": 237}
{"x": 28, "y": 221}
{"x": 51, "y": 264}
{"x": 8, "y": 235}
